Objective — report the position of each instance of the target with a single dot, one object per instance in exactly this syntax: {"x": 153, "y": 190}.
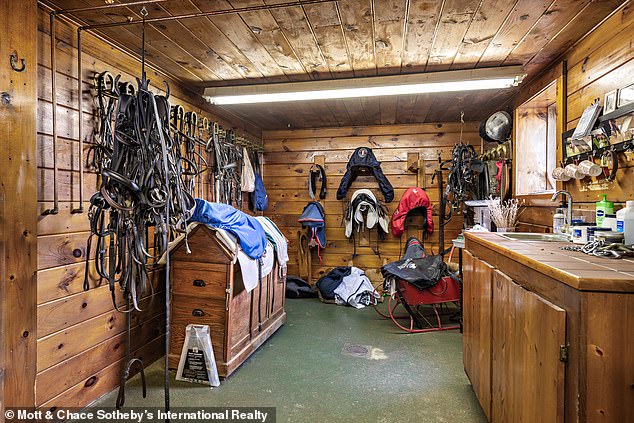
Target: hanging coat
{"x": 363, "y": 158}
{"x": 259, "y": 197}
{"x": 248, "y": 175}
{"x": 413, "y": 198}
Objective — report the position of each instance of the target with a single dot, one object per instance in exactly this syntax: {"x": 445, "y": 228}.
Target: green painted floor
{"x": 302, "y": 371}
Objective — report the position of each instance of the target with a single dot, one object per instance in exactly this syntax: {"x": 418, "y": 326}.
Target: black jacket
{"x": 363, "y": 157}
{"x": 330, "y": 281}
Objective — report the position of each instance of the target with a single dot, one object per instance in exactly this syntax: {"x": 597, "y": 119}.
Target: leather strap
{"x": 260, "y": 295}
{"x": 302, "y": 256}
{"x": 317, "y": 172}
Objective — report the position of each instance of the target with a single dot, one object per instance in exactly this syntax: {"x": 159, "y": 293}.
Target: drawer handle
{"x": 198, "y": 312}
{"x": 199, "y": 283}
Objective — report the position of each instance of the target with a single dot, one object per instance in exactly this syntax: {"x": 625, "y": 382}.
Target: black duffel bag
{"x": 297, "y": 287}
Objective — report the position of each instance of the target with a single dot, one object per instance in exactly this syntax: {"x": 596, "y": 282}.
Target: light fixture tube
{"x": 437, "y": 82}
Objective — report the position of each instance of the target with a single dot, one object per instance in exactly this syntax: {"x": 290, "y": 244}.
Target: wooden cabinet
{"x": 560, "y": 344}
{"x": 207, "y": 289}
{"x": 476, "y": 293}
{"x": 511, "y": 347}
{"x": 527, "y": 380}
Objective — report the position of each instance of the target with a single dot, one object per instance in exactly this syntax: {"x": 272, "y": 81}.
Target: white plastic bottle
{"x": 559, "y": 221}
{"x": 625, "y": 222}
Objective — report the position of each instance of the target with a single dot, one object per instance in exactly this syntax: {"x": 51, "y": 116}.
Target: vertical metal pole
{"x": 460, "y": 274}
{"x": 80, "y": 209}
{"x": 441, "y": 213}
{"x": 53, "y": 29}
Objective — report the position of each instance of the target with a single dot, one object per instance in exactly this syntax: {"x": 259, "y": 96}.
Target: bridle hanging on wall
{"x": 145, "y": 196}
{"x": 228, "y": 161}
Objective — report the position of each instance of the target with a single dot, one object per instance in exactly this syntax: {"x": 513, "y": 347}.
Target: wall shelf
{"x": 620, "y": 147}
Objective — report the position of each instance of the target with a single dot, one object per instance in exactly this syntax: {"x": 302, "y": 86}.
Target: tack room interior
{"x": 317, "y": 210}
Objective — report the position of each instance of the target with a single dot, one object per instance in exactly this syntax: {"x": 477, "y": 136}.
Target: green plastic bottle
{"x": 603, "y": 207}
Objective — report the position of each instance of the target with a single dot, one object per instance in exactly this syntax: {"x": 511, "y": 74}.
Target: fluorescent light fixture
{"x": 434, "y": 82}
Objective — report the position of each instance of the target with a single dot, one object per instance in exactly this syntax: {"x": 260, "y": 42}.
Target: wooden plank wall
{"x": 80, "y": 337}
{"x": 600, "y": 62}
{"x": 18, "y": 224}
{"x": 288, "y": 155}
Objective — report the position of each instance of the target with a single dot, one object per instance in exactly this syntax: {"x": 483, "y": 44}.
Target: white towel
{"x": 281, "y": 244}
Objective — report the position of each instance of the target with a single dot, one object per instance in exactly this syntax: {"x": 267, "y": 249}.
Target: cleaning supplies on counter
{"x": 559, "y": 221}
{"x": 603, "y": 208}
{"x": 625, "y": 222}
{"x": 609, "y": 222}
{"x": 580, "y": 233}
{"x": 592, "y": 230}
{"x": 578, "y": 219}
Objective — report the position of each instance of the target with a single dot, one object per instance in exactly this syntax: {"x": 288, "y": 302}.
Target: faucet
{"x": 567, "y": 197}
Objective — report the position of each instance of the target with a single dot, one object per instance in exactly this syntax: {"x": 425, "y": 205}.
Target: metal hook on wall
{"x": 14, "y": 59}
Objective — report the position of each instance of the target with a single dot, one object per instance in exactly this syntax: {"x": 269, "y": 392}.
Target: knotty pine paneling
{"x": 18, "y": 223}
{"x": 288, "y": 155}
{"x": 76, "y": 328}
{"x": 601, "y": 62}
{"x": 104, "y": 380}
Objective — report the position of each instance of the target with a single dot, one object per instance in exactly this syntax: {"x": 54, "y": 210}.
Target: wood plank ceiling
{"x": 351, "y": 38}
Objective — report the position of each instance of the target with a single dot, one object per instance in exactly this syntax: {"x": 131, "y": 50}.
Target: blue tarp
{"x": 248, "y": 230}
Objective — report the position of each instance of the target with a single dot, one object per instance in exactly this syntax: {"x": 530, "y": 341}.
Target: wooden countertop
{"x": 575, "y": 269}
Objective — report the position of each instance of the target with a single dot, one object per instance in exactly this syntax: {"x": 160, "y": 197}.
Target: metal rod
{"x": 443, "y": 204}
{"x": 205, "y": 14}
{"x": 80, "y": 96}
{"x": 105, "y": 6}
{"x": 53, "y": 28}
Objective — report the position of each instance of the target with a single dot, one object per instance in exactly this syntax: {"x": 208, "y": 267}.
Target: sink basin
{"x": 529, "y": 236}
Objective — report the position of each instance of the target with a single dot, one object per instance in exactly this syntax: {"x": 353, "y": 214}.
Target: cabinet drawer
{"x": 200, "y": 280}
{"x": 177, "y": 339}
{"x": 199, "y": 311}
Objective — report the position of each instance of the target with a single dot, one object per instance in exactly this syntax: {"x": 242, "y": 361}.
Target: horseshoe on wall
{"x": 13, "y": 59}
